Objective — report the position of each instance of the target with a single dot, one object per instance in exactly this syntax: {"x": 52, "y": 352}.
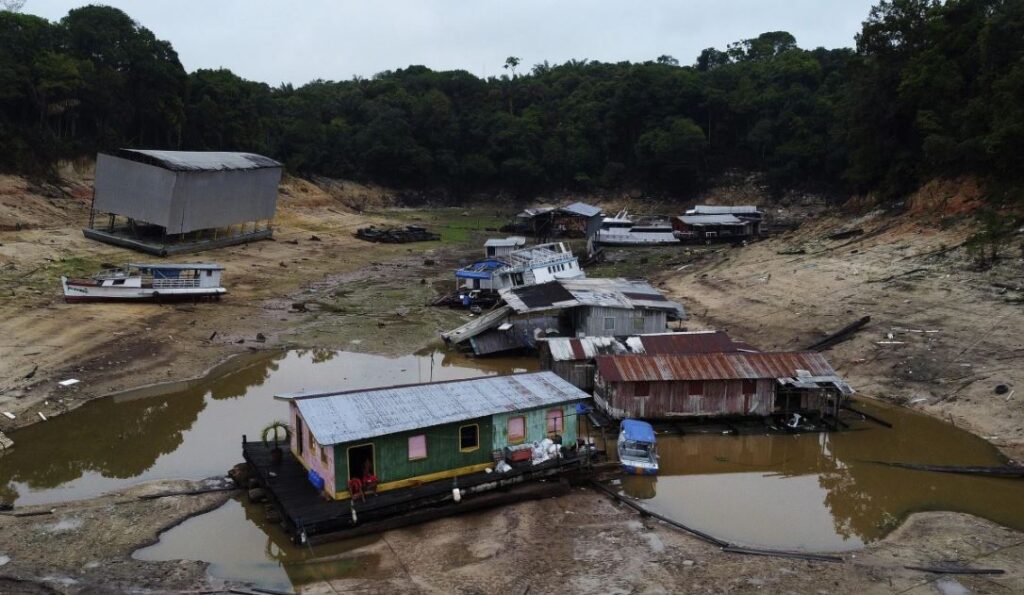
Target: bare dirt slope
{"x": 943, "y": 335}
{"x": 111, "y": 347}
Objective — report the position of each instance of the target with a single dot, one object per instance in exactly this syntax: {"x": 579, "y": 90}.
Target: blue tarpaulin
{"x": 638, "y": 431}
{"x": 316, "y": 480}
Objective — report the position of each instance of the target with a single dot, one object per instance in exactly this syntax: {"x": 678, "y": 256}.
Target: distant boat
{"x": 637, "y": 451}
{"x": 147, "y": 282}
{"x": 620, "y": 230}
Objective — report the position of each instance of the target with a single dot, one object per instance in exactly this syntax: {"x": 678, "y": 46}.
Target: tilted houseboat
{"x": 147, "y": 282}
{"x": 525, "y": 266}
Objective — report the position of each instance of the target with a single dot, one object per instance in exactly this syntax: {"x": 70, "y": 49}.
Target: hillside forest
{"x": 929, "y": 89}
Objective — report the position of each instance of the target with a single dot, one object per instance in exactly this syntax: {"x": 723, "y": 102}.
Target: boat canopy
{"x": 481, "y": 269}
{"x": 638, "y": 431}
{"x": 177, "y": 267}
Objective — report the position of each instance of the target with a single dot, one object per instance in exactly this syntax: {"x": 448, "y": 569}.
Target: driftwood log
{"x": 839, "y": 336}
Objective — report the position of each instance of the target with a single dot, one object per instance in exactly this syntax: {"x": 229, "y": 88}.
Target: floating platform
{"x": 310, "y": 517}
{"x": 158, "y": 247}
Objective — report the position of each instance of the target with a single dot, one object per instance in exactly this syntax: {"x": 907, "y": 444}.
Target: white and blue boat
{"x": 637, "y": 450}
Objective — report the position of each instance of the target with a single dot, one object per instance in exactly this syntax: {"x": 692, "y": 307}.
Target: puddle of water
{"x": 819, "y": 492}
{"x": 240, "y": 545}
{"x": 194, "y": 430}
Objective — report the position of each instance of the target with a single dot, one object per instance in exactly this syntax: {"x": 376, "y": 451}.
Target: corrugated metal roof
{"x": 503, "y": 242}
{"x": 179, "y": 267}
{"x": 581, "y": 208}
{"x": 335, "y": 418}
{"x": 710, "y": 220}
{"x": 478, "y": 325}
{"x": 586, "y": 348}
{"x": 565, "y": 349}
{"x": 711, "y": 366}
{"x": 197, "y": 160}
{"x": 723, "y": 210}
{"x": 695, "y": 342}
{"x": 610, "y": 293}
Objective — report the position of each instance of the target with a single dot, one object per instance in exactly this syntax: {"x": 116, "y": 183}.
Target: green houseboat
{"x": 407, "y": 435}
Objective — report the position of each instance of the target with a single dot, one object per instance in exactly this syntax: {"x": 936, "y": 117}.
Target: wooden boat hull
{"x": 87, "y": 291}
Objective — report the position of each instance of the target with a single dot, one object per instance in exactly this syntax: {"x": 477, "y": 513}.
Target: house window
{"x": 749, "y": 387}
{"x": 516, "y": 429}
{"x": 695, "y": 388}
{"x": 469, "y": 438}
{"x": 609, "y": 323}
{"x": 555, "y": 420}
{"x": 642, "y": 389}
{"x": 312, "y": 444}
{"x": 323, "y": 455}
{"x": 638, "y": 323}
{"x": 417, "y": 447}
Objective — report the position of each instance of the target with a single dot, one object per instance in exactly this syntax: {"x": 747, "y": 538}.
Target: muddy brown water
{"x": 818, "y": 492}
{"x": 825, "y": 492}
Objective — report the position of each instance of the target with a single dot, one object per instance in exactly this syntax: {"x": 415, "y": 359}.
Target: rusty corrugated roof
{"x": 680, "y": 343}
{"x": 711, "y": 366}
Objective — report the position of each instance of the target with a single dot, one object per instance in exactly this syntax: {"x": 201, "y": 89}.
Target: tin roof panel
{"x": 335, "y": 418}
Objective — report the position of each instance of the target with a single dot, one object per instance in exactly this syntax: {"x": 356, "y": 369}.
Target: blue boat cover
{"x": 638, "y": 431}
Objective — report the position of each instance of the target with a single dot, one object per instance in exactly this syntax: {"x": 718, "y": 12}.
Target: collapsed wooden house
{"x": 717, "y": 384}
{"x": 573, "y": 358}
{"x": 567, "y": 308}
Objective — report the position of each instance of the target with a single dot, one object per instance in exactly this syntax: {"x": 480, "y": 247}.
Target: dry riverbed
{"x": 335, "y": 292}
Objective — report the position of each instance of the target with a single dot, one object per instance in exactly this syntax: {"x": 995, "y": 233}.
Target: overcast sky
{"x": 298, "y": 41}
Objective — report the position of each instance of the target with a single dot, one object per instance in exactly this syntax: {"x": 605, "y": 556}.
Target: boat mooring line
{"x": 724, "y": 545}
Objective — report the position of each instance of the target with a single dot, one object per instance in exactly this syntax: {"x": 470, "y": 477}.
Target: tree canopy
{"x": 931, "y": 88}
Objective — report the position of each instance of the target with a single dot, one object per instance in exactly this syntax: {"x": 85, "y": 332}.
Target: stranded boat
{"x": 637, "y": 451}
{"x": 147, "y": 282}
{"x": 620, "y": 230}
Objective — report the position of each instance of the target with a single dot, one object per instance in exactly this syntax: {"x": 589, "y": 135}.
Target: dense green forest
{"x": 931, "y": 88}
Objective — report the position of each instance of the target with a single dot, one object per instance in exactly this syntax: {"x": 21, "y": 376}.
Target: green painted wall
{"x": 536, "y": 425}
{"x": 391, "y": 453}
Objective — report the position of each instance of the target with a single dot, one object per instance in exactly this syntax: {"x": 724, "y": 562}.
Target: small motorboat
{"x": 637, "y": 451}
{"x": 147, "y": 282}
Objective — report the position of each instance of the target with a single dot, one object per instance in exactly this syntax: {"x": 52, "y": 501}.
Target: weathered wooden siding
{"x": 309, "y": 459}
{"x": 536, "y": 425}
{"x": 391, "y": 453}
{"x": 672, "y": 399}
{"x": 579, "y": 373}
{"x": 590, "y": 321}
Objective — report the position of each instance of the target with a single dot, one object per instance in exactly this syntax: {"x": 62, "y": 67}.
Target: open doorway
{"x": 361, "y": 463}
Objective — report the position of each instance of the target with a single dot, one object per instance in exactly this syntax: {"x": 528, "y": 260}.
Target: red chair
{"x": 355, "y": 489}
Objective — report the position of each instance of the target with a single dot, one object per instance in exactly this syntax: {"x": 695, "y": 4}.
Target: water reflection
{"x": 194, "y": 430}
{"x": 821, "y": 491}
{"x": 240, "y": 545}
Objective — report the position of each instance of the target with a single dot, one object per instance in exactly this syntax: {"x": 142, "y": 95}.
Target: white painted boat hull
{"x": 82, "y": 292}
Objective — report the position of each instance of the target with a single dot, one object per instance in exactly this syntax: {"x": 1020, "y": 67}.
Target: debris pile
{"x": 396, "y": 235}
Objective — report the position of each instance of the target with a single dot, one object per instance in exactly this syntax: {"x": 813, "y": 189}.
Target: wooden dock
{"x": 307, "y": 513}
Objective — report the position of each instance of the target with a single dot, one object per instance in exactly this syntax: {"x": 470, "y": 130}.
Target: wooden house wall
{"x": 391, "y": 453}
{"x": 590, "y": 321}
{"x": 579, "y": 373}
{"x": 536, "y": 425}
{"x": 672, "y": 399}
{"x": 308, "y": 458}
